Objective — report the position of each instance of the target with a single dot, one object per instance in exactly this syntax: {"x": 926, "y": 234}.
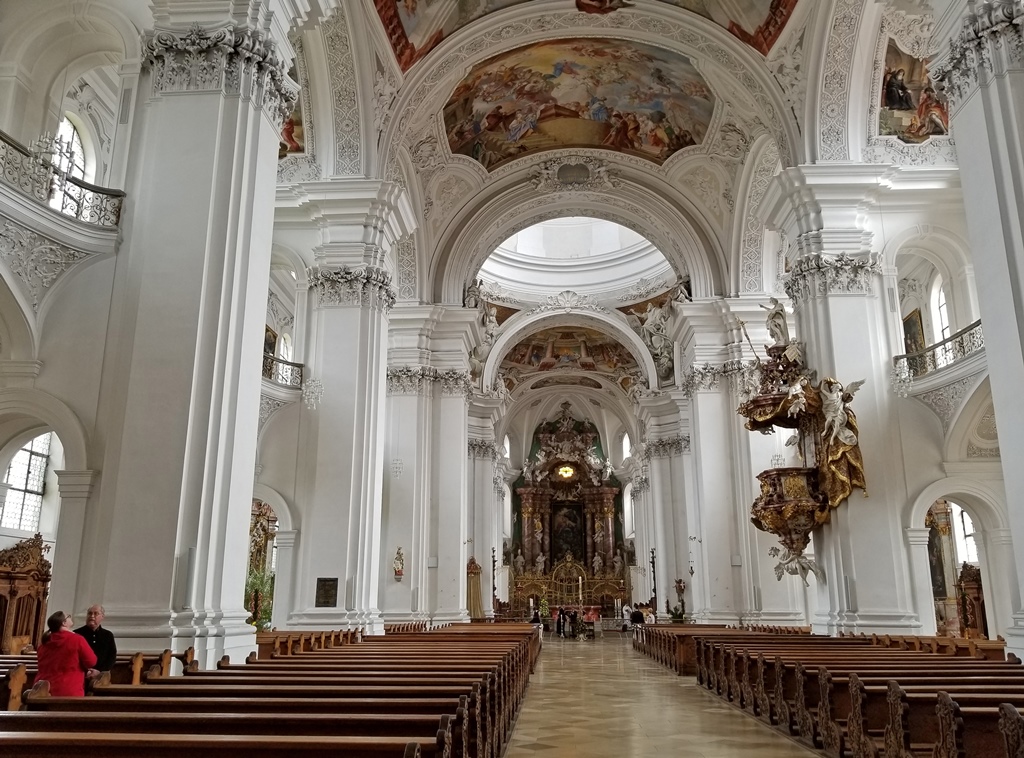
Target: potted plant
{"x": 545, "y": 614}
{"x": 678, "y": 614}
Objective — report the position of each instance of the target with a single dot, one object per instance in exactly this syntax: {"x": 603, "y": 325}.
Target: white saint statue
{"x": 539, "y": 563}
{"x": 776, "y": 322}
{"x": 519, "y": 563}
{"x": 598, "y": 563}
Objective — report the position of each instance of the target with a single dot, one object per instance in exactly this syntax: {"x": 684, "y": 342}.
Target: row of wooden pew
{"x": 449, "y": 693}
{"x": 871, "y": 696}
{"x": 17, "y": 672}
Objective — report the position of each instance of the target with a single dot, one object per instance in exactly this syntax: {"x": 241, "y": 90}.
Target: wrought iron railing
{"x": 42, "y": 180}
{"x": 282, "y": 372}
{"x": 967, "y": 341}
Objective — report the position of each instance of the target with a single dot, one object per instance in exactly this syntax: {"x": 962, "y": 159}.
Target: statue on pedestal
{"x": 598, "y": 564}
{"x": 539, "y": 563}
{"x": 776, "y": 322}
{"x": 519, "y": 563}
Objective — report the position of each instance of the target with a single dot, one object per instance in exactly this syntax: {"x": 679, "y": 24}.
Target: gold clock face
{"x": 566, "y": 472}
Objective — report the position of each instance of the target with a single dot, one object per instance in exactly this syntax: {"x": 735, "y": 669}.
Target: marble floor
{"x": 601, "y": 698}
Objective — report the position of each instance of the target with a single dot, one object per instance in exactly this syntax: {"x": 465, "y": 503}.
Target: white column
{"x": 451, "y": 504}
{"x": 407, "y": 492}
{"x": 343, "y": 525}
{"x": 483, "y": 514}
{"x": 74, "y": 487}
{"x": 165, "y": 546}
{"x": 999, "y": 579}
{"x": 844, "y": 319}
{"x": 921, "y": 575}
{"x": 712, "y": 420}
{"x": 669, "y": 506}
{"x": 983, "y": 72}
{"x": 284, "y": 577}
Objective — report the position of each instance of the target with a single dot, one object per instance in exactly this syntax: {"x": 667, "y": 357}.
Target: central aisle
{"x": 603, "y": 699}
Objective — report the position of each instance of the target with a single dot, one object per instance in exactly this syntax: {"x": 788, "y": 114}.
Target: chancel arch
{"x": 674, "y": 226}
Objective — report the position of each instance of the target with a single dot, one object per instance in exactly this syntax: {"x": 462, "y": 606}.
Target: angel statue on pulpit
{"x": 842, "y": 464}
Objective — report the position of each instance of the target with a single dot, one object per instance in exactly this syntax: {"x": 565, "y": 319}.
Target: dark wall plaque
{"x": 326, "y": 592}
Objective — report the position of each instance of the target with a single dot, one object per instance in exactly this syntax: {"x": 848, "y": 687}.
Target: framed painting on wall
{"x": 913, "y": 332}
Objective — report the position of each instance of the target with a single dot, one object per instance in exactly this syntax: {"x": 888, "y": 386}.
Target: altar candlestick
{"x": 581, "y": 589}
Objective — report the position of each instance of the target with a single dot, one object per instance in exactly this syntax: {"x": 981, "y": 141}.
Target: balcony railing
{"x": 285, "y": 373}
{"x": 966, "y": 342}
{"x": 40, "y": 179}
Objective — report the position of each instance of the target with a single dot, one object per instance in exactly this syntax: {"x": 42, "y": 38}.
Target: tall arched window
{"x": 71, "y": 159}
{"x": 25, "y": 479}
{"x": 940, "y": 310}
{"x": 627, "y": 447}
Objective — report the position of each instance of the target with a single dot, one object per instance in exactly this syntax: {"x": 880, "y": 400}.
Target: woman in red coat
{"x": 64, "y": 657}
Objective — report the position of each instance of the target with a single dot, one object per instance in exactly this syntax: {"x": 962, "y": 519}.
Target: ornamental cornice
{"x": 990, "y": 41}
{"x": 485, "y": 449}
{"x": 818, "y": 275}
{"x": 705, "y": 378}
{"x": 234, "y": 60}
{"x": 362, "y": 286}
{"x": 410, "y": 380}
{"x": 37, "y": 262}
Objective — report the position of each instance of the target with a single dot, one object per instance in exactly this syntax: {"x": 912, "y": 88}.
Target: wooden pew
{"x": 49, "y": 744}
{"x": 432, "y": 733}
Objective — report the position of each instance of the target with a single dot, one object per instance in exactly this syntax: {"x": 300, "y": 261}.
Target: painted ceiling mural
{"x": 611, "y": 94}
{"x": 415, "y": 27}
{"x": 570, "y": 349}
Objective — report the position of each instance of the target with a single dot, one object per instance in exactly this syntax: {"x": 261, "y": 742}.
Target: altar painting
{"x": 911, "y": 108}
{"x": 599, "y": 93}
{"x": 567, "y": 531}
{"x": 415, "y": 27}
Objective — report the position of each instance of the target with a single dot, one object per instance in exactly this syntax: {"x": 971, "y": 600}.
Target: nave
{"x": 603, "y": 699}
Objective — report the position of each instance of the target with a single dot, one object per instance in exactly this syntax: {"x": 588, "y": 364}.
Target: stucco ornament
{"x": 990, "y": 41}
{"x": 235, "y": 60}
{"x": 365, "y": 286}
{"x": 37, "y": 261}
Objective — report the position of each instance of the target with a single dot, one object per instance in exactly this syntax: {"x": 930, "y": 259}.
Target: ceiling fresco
{"x": 415, "y": 27}
{"x": 570, "y": 349}
{"x": 623, "y": 96}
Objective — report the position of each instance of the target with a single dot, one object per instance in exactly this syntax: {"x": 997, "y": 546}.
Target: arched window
{"x": 627, "y": 447}
{"x": 628, "y": 525}
{"x": 508, "y": 446}
{"x": 25, "y": 479}
{"x": 71, "y": 159}
{"x": 963, "y": 534}
{"x": 940, "y": 311}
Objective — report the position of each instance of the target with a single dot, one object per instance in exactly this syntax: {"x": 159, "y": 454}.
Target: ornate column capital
{"x": 818, "y": 275}
{"x": 990, "y": 42}
{"x": 700, "y": 378}
{"x": 668, "y": 446}
{"x": 485, "y": 449}
{"x": 410, "y": 380}
{"x": 455, "y": 382}
{"x": 234, "y": 60}
{"x": 362, "y": 286}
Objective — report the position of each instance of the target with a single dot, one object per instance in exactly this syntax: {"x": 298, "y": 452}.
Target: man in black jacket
{"x": 100, "y": 640}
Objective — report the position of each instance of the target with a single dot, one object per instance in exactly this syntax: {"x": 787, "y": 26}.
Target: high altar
{"x": 568, "y": 544}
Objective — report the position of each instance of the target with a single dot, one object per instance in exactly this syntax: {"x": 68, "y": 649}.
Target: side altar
{"x": 568, "y": 543}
